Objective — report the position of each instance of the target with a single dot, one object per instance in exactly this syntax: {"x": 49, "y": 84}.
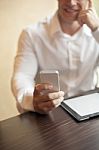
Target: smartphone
{"x": 51, "y": 77}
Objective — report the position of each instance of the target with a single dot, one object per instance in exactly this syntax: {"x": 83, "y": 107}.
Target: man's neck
{"x": 70, "y": 27}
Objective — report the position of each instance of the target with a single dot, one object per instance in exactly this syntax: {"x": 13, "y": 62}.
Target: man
{"x": 68, "y": 42}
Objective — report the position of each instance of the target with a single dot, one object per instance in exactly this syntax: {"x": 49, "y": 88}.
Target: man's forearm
{"x": 23, "y": 92}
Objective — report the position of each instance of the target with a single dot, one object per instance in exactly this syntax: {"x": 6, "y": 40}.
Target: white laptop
{"x": 82, "y": 107}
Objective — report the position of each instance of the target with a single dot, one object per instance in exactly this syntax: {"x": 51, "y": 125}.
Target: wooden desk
{"x": 56, "y": 131}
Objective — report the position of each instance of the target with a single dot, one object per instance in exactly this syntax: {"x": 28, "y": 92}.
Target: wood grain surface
{"x": 55, "y": 131}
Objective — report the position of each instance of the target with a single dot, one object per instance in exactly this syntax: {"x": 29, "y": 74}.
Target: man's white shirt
{"x": 44, "y": 46}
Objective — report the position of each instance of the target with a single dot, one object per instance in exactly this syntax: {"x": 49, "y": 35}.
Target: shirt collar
{"x": 55, "y": 26}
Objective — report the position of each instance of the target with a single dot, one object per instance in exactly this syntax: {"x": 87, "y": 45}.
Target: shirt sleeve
{"x": 25, "y": 69}
{"x": 96, "y": 34}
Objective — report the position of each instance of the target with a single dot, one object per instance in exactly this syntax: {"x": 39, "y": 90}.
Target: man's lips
{"x": 71, "y": 10}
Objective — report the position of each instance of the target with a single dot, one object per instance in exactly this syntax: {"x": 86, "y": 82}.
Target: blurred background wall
{"x": 14, "y": 16}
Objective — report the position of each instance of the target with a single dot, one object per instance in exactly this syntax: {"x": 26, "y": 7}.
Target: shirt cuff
{"x": 96, "y": 34}
{"x": 26, "y": 100}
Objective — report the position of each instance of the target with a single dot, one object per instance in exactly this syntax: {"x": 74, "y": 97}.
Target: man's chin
{"x": 68, "y": 18}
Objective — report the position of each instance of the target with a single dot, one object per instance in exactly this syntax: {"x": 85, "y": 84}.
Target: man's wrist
{"x": 96, "y": 34}
{"x": 94, "y": 28}
{"x": 26, "y": 100}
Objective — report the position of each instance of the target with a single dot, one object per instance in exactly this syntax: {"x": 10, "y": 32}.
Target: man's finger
{"x": 49, "y": 105}
{"x": 58, "y": 101}
{"x": 56, "y": 95}
{"x": 90, "y": 6}
{"x": 43, "y": 86}
{"x": 50, "y": 96}
{"x": 46, "y": 106}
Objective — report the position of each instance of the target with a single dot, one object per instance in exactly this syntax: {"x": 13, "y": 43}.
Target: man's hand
{"x": 45, "y": 99}
{"x": 89, "y": 17}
